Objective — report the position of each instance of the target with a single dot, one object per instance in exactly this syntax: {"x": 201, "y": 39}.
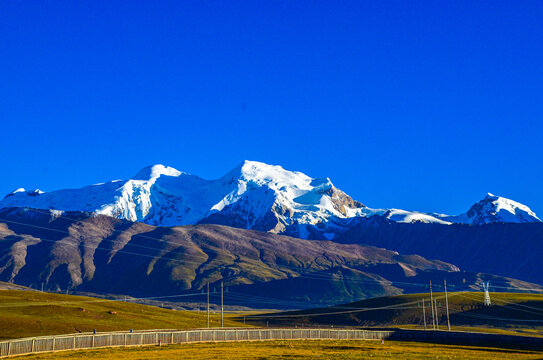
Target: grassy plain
{"x": 297, "y": 349}
{"x": 510, "y": 313}
{"x": 32, "y": 313}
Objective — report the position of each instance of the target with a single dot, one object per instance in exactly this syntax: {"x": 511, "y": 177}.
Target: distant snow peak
{"x": 497, "y": 209}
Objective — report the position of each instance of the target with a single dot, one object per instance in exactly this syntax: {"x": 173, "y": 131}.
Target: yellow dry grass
{"x": 297, "y": 349}
{"x": 32, "y": 313}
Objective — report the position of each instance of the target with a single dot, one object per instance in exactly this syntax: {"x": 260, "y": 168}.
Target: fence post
{"x": 32, "y": 350}
{"x": 92, "y": 340}
{"x": 9, "y": 348}
{"x": 124, "y": 339}
{"x": 73, "y": 344}
{"x": 54, "y": 343}
{"x": 141, "y": 339}
{"x": 156, "y": 337}
{"x": 171, "y": 338}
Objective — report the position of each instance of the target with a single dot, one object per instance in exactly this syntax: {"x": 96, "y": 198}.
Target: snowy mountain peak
{"x": 262, "y": 173}
{"x": 497, "y": 209}
{"x": 253, "y": 195}
{"x": 153, "y": 172}
{"x": 269, "y": 197}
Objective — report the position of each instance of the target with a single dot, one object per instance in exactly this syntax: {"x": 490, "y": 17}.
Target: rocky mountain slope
{"x": 97, "y": 253}
{"x": 253, "y": 195}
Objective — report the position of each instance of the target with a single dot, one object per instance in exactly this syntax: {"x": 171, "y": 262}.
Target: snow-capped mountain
{"x": 494, "y": 209}
{"x": 253, "y": 195}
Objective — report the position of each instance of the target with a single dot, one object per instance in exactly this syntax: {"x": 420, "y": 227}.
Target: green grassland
{"x": 518, "y": 313}
{"x": 297, "y": 349}
{"x": 32, "y": 313}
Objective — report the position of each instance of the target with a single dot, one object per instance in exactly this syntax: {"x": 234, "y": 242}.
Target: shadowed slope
{"x": 104, "y": 254}
{"x": 513, "y": 250}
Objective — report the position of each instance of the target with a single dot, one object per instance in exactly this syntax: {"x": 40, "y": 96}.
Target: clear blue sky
{"x": 423, "y": 105}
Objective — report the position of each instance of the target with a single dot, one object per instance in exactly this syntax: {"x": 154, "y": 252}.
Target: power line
{"x": 388, "y": 307}
{"x": 196, "y": 255}
{"x": 315, "y": 275}
{"x": 67, "y": 302}
{"x": 490, "y": 317}
{"x": 63, "y": 242}
{"x": 510, "y": 306}
{"x": 66, "y": 242}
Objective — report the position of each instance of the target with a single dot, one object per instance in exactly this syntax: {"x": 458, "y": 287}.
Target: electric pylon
{"x": 487, "y": 295}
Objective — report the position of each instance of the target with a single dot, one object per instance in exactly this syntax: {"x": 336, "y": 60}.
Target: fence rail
{"x": 155, "y": 337}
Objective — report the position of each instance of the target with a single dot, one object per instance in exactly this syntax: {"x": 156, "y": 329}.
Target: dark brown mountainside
{"x": 107, "y": 255}
{"x": 507, "y": 249}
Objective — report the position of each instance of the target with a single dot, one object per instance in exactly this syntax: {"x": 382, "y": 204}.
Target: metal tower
{"x": 487, "y": 295}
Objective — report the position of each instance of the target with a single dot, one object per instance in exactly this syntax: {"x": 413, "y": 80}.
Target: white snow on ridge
{"x": 496, "y": 209}
{"x": 404, "y": 216}
{"x": 153, "y": 172}
{"x": 252, "y": 195}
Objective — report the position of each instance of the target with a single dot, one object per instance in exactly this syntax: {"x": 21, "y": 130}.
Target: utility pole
{"x": 424, "y": 313}
{"x": 432, "y": 306}
{"x": 208, "y": 305}
{"x": 437, "y": 319}
{"x": 41, "y": 287}
{"x": 222, "y": 305}
{"x": 447, "y": 305}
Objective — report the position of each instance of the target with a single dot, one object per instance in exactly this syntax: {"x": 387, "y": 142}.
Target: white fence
{"x": 155, "y": 337}
{"x": 84, "y": 341}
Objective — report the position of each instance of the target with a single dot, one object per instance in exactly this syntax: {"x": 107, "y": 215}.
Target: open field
{"x": 510, "y": 313}
{"x": 297, "y": 349}
{"x": 32, "y": 313}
